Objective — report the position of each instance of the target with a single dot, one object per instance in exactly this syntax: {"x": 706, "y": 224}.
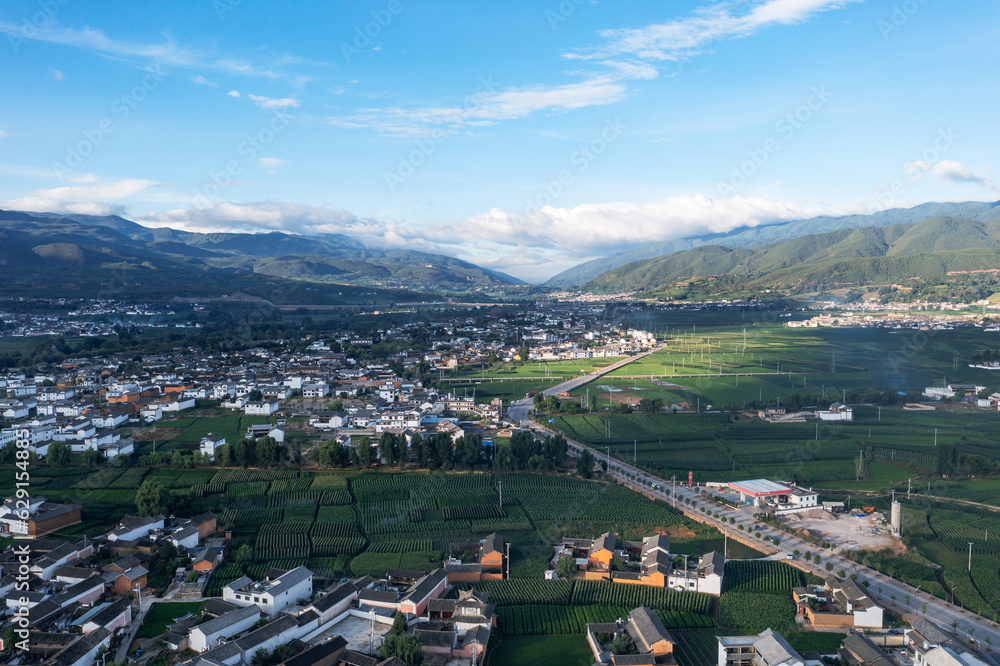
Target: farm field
{"x": 161, "y": 615}
{"x": 352, "y": 524}
{"x": 716, "y": 447}
{"x": 564, "y": 650}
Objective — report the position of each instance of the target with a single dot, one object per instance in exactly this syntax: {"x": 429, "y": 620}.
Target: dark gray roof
{"x": 426, "y": 585}
{"x": 858, "y": 649}
{"x": 645, "y": 628}
{"x": 338, "y": 594}
{"x": 228, "y": 619}
{"x": 931, "y": 632}
{"x": 108, "y": 614}
{"x": 773, "y": 648}
{"x": 380, "y": 596}
{"x": 352, "y": 658}
{"x": 267, "y": 632}
{"x": 317, "y": 653}
{"x": 76, "y": 650}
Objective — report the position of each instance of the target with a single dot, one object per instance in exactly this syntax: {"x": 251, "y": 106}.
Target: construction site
{"x": 862, "y": 528}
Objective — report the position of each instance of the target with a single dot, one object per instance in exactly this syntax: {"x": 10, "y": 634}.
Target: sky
{"x": 524, "y": 136}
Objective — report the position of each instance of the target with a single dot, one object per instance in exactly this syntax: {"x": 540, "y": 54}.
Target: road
{"x": 129, "y": 636}
{"x": 518, "y": 411}
{"x": 888, "y": 592}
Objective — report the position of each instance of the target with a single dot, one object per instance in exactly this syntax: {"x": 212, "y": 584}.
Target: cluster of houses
{"x": 647, "y": 562}
{"x": 77, "y": 596}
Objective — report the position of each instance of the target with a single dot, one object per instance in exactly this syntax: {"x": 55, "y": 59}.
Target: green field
{"x": 564, "y": 650}
{"x": 161, "y": 615}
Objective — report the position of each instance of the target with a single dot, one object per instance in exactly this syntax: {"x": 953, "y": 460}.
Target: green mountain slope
{"x": 928, "y": 250}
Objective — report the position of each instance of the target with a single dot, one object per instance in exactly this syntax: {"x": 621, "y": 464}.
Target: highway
{"x": 887, "y": 592}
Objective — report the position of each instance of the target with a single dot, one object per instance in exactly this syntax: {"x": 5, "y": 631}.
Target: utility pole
{"x": 909, "y": 484}
{"x": 970, "y": 557}
{"x": 634, "y": 449}
{"x": 935, "y": 436}
{"x": 500, "y": 487}
{"x": 673, "y": 492}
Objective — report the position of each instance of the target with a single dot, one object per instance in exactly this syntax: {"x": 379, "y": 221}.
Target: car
{"x": 789, "y": 556}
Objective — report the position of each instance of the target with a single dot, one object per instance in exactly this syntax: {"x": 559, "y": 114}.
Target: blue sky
{"x": 523, "y": 136}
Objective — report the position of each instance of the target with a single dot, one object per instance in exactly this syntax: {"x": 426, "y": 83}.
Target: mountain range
{"x": 749, "y": 237}
{"x": 932, "y": 251}
{"x": 85, "y": 242}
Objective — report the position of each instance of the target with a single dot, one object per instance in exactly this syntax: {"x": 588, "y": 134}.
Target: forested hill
{"x": 903, "y": 254}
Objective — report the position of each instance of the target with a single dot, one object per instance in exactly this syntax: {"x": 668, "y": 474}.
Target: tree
{"x": 504, "y": 460}
{"x": 387, "y": 448}
{"x": 364, "y": 452}
{"x": 58, "y": 454}
{"x": 565, "y": 567}
{"x": 90, "y": 458}
{"x": 266, "y": 450}
{"x": 829, "y": 566}
{"x": 243, "y": 554}
{"x": 224, "y": 455}
{"x": 623, "y": 645}
{"x": 152, "y": 498}
{"x": 255, "y": 396}
{"x": 585, "y": 464}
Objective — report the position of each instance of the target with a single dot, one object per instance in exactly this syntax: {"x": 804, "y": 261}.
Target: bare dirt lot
{"x": 846, "y": 531}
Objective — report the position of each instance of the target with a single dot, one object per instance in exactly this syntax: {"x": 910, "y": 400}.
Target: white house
{"x": 315, "y": 390}
{"x": 270, "y": 595}
{"x": 208, "y": 635}
{"x": 179, "y": 403}
{"x": 152, "y": 412}
{"x": 210, "y": 443}
{"x": 838, "y": 412}
{"x": 261, "y": 408}
{"x": 13, "y": 409}
{"x": 132, "y": 528}
{"x": 121, "y": 447}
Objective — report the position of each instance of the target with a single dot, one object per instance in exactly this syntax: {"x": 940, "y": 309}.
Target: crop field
{"x": 359, "y": 524}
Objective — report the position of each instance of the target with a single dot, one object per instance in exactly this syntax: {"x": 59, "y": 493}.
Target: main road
{"x": 890, "y": 593}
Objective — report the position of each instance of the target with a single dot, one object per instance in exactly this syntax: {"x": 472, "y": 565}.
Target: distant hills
{"x": 750, "y": 237}
{"x": 904, "y": 254}
{"x": 93, "y": 243}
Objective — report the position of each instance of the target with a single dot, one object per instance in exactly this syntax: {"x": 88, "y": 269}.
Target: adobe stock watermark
{"x": 887, "y": 197}
{"x": 581, "y": 159}
{"x": 248, "y": 150}
{"x": 43, "y": 17}
{"x": 900, "y": 16}
{"x": 121, "y": 108}
{"x": 223, "y": 7}
{"x": 427, "y": 146}
{"x": 561, "y": 13}
{"x": 785, "y": 129}
{"x": 363, "y": 35}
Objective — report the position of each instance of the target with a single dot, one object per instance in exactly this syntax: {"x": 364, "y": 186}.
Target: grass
{"x": 162, "y": 615}
{"x": 570, "y": 650}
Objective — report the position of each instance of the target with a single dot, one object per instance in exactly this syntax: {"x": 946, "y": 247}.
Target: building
{"x": 923, "y": 637}
{"x": 132, "y": 528}
{"x": 42, "y": 517}
{"x": 767, "y": 648}
{"x": 858, "y": 650}
{"x": 475, "y": 562}
{"x": 209, "y": 444}
{"x": 261, "y": 407}
{"x": 413, "y": 601}
{"x": 838, "y": 412}
{"x": 653, "y": 642}
{"x": 777, "y": 497}
{"x": 208, "y": 635}
{"x": 838, "y": 605}
{"x": 271, "y": 595}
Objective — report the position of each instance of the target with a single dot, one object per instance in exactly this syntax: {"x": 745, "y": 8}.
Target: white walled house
{"x": 271, "y": 596}
{"x": 261, "y": 408}
{"x": 208, "y": 635}
{"x": 210, "y": 443}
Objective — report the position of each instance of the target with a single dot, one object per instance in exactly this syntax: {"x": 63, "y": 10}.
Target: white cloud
{"x": 3, "y": 134}
{"x": 86, "y": 178}
{"x": 267, "y": 102}
{"x": 56, "y": 74}
{"x": 168, "y": 53}
{"x": 683, "y": 38}
{"x": 90, "y": 200}
{"x": 486, "y": 107}
{"x": 270, "y": 103}
{"x": 202, "y": 81}
{"x": 532, "y": 244}
{"x": 271, "y": 164}
{"x": 952, "y": 171}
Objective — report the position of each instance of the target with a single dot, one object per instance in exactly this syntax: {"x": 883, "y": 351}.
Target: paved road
{"x": 889, "y": 592}
{"x": 129, "y": 636}
{"x": 518, "y": 411}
